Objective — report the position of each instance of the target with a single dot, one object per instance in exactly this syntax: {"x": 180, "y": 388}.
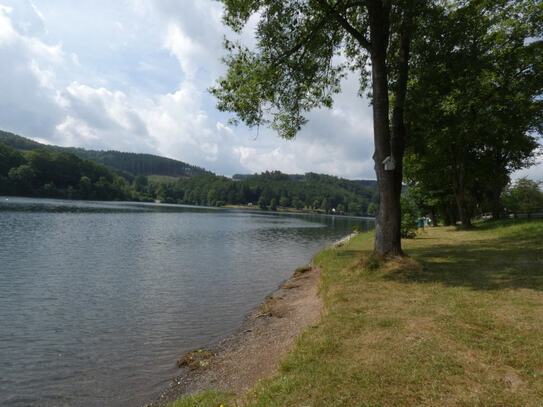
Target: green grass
{"x": 208, "y": 398}
{"x": 458, "y": 323}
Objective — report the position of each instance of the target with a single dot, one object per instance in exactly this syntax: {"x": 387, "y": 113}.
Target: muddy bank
{"x": 254, "y": 353}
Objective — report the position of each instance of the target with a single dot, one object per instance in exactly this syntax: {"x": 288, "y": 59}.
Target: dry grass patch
{"x": 458, "y": 323}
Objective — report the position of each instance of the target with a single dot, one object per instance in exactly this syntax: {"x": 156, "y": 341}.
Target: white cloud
{"x": 38, "y": 12}
{"x": 91, "y": 111}
{"x": 75, "y": 59}
{"x": 188, "y": 52}
{"x": 141, "y": 7}
{"x": 50, "y": 53}
{"x": 222, "y": 127}
{"x": 7, "y": 33}
{"x": 97, "y": 114}
{"x": 275, "y": 159}
{"x": 535, "y": 172}
{"x": 74, "y": 131}
{"x": 45, "y": 77}
{"x": 180, "y": 128}
{"x": 133, "y": 76}
{"x": 27, "y": 79}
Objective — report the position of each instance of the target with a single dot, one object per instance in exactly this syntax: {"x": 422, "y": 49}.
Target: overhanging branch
{"x": 345, "y": 24}
{"x": 302, "y": 41}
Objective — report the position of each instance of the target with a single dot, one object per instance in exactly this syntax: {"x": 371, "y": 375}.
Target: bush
{"x": 262, "y": 203}
{"x": 408, "y": 227}
{"x": 525, "y": 196}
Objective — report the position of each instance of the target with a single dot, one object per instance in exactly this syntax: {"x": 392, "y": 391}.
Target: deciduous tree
{"x": 474, "y": 104}
{"x": 304, "y": 49}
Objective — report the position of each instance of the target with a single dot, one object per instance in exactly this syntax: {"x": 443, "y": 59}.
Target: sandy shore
{"x": 254, "y": 353}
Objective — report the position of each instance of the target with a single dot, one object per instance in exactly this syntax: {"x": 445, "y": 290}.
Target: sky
{"x": 132, "y": 75}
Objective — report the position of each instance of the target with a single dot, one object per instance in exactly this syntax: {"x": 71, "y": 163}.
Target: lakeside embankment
{"x": 255, "y": 352}
{"x": 457, "y": 323}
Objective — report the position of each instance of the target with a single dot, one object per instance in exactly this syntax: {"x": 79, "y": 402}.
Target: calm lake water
{"x": 98, "y": 300}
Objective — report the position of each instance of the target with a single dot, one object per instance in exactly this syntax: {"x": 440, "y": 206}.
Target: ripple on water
{"x": 98, "y": 300}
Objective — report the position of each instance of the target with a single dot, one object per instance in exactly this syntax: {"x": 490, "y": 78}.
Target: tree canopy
{"x": 474, "y": 103}
{"x": 304, "y": 49}
{"x": 467, "y": 73}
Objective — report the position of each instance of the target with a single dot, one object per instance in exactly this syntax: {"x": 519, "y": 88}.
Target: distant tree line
{"x": 273, "y": 190}
{"x": 523, "y": 197}
{"x": 53, "y": 174}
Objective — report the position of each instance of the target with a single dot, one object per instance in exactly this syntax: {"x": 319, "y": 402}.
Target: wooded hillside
{"x": 134, "y": 163}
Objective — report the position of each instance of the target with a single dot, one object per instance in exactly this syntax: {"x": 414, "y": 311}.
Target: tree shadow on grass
{"x": 351, "y": 253}
{"x": 514, "y": 261}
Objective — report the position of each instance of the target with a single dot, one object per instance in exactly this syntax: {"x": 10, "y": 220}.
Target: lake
{"x": 99, "y": 299}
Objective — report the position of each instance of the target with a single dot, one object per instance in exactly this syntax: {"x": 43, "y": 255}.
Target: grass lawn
{"x": 457, "y": 323}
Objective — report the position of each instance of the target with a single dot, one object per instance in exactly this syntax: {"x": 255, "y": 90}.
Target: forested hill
{"x": 271, "y": 190}
{"x": 134, "y": 163}
{"x": 29, "y": 168}
{"x": 297, "y": 177}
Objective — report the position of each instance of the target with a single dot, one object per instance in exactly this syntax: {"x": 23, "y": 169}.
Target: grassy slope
{"x": 458, "y": 323}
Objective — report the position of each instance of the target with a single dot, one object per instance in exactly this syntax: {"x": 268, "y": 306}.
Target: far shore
{"x": 279, "y": 209}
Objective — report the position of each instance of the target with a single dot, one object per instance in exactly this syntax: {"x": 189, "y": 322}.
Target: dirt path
{"x": 255, "y": 352}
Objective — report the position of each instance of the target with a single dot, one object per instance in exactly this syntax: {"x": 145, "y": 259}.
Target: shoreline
{"x": 253, "y": 353}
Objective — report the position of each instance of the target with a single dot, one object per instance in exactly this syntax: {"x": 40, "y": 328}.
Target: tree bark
{"x": 499, "y": 181}
{"x": 433, "y": 216}
{"x": 463, "y": 210}
{"x": 460, "y": 197}
{"x": 458, "y": 178}
{"x": 496, "y": 204}
{"x": 388, "y": 220}
{"x": 389, "y": 143}
{"x": 451, "y": 214}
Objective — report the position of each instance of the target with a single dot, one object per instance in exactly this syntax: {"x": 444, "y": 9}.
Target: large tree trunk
{"x": 388, "y": 220}
{"x": 450, "y": 214}
{"x": 496, "y": 203}
{"x": 499, "y": 180}
{"x": 460, "y": 197}
{"x": 389, "y": 144}
{"x": 459, "y": 188}
{"x": 433, "y": 216}
{"x": 463, "y": 209}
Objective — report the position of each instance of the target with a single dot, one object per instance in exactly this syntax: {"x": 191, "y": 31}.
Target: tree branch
{"x": 345, "y": 24}
{"x": 301, "y": 43}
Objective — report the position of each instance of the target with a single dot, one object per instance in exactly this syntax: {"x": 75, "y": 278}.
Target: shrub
{"x": 408, "y": 227}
